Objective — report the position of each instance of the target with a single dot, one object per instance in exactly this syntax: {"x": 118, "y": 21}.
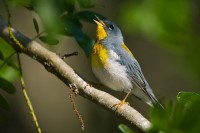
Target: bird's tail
{"x": 153, "y": 100}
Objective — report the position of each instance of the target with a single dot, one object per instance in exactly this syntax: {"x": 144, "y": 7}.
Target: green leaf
{"x": 188, "y": 98}
{"x": 178, "y": 118}
{"x": 124, "y": 129}
{"x": 49, "y": 15}
{"x": 70, "y": 6}
{"x": 1, "y": 55}
{"x": 49, "y": 40}
{"x": 8, "y": 61}
{"x": 5, "y": 48}
{"x": 86, "y": 3}
{"x": 88, "y": 16}
{"x": 4, "y": 104}
{"x": 190, "y": 120}
{"x": 157, "y": 115}
{"x": 7, "y": 86}
{"x": 73, "y": 27}
{"x": 8, "y": 72}
{"x": 84, "y": 42}
{"x": 36, "y": 25}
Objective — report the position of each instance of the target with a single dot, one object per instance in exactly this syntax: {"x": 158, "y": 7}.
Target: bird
{"x": 115, "y": 66}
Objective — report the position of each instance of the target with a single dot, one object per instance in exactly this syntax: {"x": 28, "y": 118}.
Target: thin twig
{"x": 73, "y": 90}
{"x": 26, "y": 96}
{"x": 68, "y": 55}
{"x": 38, "y": 35}
{"x": 9, "y": 26}
{"x": 27, "y": 99}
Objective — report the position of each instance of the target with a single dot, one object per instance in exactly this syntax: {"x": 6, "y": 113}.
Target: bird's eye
{"x": 111, "y": 27}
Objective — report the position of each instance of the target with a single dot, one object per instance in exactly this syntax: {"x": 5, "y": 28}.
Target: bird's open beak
{"x": 101, "y": 33}
{"x": 99, "y": 22}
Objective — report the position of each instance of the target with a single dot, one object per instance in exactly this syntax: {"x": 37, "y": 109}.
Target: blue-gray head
{"x": 108, "y": 32}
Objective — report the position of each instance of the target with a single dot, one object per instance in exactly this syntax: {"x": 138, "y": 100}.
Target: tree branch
{"x": 54, "y": 64}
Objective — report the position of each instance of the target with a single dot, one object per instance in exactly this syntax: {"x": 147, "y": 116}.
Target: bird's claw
{"x": 118, "y": 105}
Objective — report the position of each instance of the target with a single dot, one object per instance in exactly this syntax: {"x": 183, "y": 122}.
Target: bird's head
{"x": 107, "y": 30}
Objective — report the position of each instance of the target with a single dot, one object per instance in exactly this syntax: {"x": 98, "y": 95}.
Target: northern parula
{"x": 115, "y": 66}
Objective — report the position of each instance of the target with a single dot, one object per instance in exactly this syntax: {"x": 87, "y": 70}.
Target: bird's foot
{"x": 120, "y": 104}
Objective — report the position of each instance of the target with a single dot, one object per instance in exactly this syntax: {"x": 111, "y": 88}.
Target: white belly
{"x": 113, "y": 76}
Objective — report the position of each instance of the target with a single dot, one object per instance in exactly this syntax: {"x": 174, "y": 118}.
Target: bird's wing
{"x": 133, "y": 67}
{"x": 134, "y": 71}
{"x": 135, "y": 74}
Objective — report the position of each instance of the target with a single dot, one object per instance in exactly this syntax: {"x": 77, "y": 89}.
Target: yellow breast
{"x": 99, "y": 55}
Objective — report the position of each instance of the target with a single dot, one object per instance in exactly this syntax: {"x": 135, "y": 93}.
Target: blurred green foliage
{"x": 124, "y": 129}
{"x": 62, "y": 17}
{"x": 8, "y": 72}
{"x": 8, "y": 67}
{"x": 173, "y": 24}
{"x": 181, "y": 117}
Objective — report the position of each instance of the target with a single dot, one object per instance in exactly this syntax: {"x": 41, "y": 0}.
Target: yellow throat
{"x": 101, "y": 33}
{"x": 99, "y": 52}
